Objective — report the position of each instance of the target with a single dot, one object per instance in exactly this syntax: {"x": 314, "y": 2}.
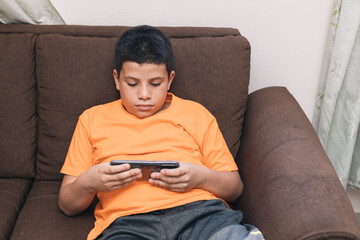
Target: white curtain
{"x": 338, "y": 105}
{"x": 29, "y": 11}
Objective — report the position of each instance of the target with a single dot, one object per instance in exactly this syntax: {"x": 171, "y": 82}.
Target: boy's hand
{"x": 76, "y": 193}
{"x": 105, "y": 177}
{"x": 182, "y": 179}
{"x": 223, "y": 184}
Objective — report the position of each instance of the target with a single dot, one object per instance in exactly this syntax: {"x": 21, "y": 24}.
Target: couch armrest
{"x": 291, "y": 190}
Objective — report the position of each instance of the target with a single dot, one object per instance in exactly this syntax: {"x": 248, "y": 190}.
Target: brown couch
{"x": 51, "y": 74}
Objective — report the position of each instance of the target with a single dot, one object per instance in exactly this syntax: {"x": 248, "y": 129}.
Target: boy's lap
{"x": 199, "y": 220}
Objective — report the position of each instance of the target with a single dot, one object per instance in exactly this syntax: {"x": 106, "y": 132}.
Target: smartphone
{"x": 147, "y": 167}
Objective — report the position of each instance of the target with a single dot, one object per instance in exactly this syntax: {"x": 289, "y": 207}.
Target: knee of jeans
{"x": 238, "y": 232}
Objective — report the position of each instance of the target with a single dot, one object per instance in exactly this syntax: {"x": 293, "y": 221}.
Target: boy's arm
{"x": 77, "y": 193}
{"x": 73, "y": 199}
{"x": 225, "y": 185}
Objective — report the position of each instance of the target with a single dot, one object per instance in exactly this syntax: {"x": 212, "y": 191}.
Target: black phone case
{"x": 147, "y": 167}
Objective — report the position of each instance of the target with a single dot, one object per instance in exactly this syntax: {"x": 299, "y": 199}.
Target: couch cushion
{"x": 75, "y": 73}
{"x": 17, "y": 105}
{"x": 214, "y": 71}
{"x": 41, "y": 218}
{"x": 13, "y": 193}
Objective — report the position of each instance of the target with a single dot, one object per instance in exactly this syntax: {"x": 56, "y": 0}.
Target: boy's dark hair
{"x": 144, "y": 44}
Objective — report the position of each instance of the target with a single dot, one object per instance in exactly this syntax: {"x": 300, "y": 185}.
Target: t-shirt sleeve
{"x": 215, "y": 151}
{"x": 79, "y": 156}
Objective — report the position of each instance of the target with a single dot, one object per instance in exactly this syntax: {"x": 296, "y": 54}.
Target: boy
{"x": 148, "y": 123}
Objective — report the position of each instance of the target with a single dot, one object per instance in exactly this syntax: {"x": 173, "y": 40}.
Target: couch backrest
{"x": 67, "y": 69}
{"x": 18, "y": 116}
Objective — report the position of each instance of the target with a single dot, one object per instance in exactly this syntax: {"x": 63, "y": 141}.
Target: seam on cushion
{"x": 114, "y": 36}
{"x": 37, "y": 103}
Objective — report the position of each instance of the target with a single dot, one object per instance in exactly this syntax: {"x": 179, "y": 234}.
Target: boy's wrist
{"x": 83, "y": 183}
{"x": 202, "y": 176}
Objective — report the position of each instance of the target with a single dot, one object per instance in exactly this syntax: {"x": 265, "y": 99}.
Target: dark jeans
{"x": 199, "y": 220}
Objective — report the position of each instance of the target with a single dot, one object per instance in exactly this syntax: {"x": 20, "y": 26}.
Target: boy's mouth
{"x": 144, "y": 107}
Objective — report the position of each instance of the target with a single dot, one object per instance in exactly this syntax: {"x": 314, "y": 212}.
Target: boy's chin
{"x": 144, "y": 112}
{"x": 143, "y": 115}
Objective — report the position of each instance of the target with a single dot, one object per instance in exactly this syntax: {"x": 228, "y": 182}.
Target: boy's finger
{"x": 169, "y": 179}
{"x": 118, "y": 184}
{"x": 176, "y": 172}
{"x": 124, "y": 175}
{"x": 162, "y": 176}
{"x": 113, "y": 169}
{"x": 128, "y": 180}
{"x": 176, "y": 187}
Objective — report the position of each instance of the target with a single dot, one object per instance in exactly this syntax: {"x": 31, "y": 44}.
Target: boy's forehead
{"x": 143, "y": 68}
{"x": 132, "y": 63}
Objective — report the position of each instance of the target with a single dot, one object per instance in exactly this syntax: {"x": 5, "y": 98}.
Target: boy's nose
{"x": 144, "y": 93}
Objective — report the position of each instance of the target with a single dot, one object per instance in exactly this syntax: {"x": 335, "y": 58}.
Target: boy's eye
{"x": 132, "y": 84}
{"x": 155, "y": 84}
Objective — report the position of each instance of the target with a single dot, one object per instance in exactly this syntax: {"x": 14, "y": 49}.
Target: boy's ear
{"x": 116, "y": 79}
{"x": 171, "y": 78}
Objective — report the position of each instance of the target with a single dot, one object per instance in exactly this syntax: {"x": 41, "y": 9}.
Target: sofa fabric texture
{"x": 50, "y": 74}
{"x": 13, "y": 193}
{"x": 18, "y": 105}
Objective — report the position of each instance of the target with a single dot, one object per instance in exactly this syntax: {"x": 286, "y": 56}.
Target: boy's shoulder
{"x": 193, "y": 116}
{"x": 100, "y": 109}
{"x": 186, "y": 106}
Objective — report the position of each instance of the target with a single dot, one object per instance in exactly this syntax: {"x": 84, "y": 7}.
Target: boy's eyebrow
{"x": 129, "y": 77}
{"x": 137, "y": 79}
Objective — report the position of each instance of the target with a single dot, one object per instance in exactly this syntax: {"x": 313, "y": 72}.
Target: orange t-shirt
{"x": 185, "y": 132}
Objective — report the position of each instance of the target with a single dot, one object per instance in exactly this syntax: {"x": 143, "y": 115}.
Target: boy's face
{"x": 143, "y": 87}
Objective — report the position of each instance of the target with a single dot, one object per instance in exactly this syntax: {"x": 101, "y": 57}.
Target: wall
{"x": 288, "y": 37}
